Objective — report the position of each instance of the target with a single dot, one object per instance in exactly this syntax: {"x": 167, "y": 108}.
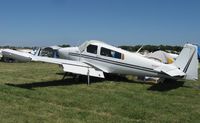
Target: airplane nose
{"x": 64, "y": 53}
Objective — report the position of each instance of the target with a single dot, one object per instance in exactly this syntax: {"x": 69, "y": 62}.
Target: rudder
{"x": 187, "y": 61}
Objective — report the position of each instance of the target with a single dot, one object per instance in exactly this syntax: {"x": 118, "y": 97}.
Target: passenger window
{"x": 117, "y": 55}
{"x": 110, "y": 53}
{"x": 92, "y": 49}
{"x": 106, "y": 52}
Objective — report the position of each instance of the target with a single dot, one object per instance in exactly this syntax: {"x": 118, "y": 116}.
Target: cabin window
{"x": 110, "y": 53}
{"x": 92, "y": 49}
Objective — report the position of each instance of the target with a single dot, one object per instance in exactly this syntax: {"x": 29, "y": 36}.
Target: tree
{"x": 64, "y": 45}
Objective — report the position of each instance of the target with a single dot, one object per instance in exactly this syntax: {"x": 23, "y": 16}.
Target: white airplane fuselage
{"x": 130, "y": 63}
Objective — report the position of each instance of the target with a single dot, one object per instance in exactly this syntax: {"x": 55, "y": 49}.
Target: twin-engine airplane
{"x": 94, "y": 58}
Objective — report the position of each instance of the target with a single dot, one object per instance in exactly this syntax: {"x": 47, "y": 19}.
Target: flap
{"x": 82, "y": 70}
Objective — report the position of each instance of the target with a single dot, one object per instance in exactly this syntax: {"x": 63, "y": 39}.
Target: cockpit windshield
{"x": 83, "y": 46}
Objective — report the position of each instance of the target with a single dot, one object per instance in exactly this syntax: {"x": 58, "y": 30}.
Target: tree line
{"x": 15, "y": 47}
{"x": 150, "y": 48}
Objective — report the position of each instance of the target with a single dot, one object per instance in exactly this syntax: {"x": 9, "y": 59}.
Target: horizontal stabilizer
{"x": 170, "y": 70}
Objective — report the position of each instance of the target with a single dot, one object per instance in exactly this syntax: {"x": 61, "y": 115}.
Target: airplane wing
{"x": 76, "y": 67}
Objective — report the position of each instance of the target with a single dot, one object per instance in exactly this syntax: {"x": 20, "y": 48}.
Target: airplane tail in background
{"x": 187, "y": 61}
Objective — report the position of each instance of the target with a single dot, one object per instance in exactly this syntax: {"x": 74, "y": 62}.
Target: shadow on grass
{"x": 43, "y": 84}
{"x": 64, "y": 82}
{"x": 70, "y": 80}
{"x": 167, "y": 85}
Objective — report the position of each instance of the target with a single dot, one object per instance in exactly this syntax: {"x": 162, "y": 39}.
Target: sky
{"x": 117, "y": 22}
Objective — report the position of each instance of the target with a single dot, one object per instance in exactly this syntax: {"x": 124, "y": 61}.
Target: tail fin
{"x": 187, "y": 61}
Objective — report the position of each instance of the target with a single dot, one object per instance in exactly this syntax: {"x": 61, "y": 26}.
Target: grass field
{"x": 35, "y": 93}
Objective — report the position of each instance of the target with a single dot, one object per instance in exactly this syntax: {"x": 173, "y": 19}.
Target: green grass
{"x": 34, "y": 92}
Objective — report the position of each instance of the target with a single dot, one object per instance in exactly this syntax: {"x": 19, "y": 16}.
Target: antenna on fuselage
{"x": 140, "y": 49}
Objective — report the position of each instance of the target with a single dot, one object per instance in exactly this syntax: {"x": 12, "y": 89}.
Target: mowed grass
{"x": 35, "y": 93}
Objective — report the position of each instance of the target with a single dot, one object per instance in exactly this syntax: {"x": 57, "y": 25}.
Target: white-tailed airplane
{"x": 94, "y": 58}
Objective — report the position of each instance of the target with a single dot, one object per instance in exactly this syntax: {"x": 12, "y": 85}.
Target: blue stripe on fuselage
{"x": 114, "y": 62}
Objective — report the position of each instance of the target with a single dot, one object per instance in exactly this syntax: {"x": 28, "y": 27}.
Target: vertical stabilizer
{"x": 187, "y": 61}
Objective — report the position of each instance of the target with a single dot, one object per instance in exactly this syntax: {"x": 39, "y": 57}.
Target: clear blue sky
{"x": 117, "y": 22}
